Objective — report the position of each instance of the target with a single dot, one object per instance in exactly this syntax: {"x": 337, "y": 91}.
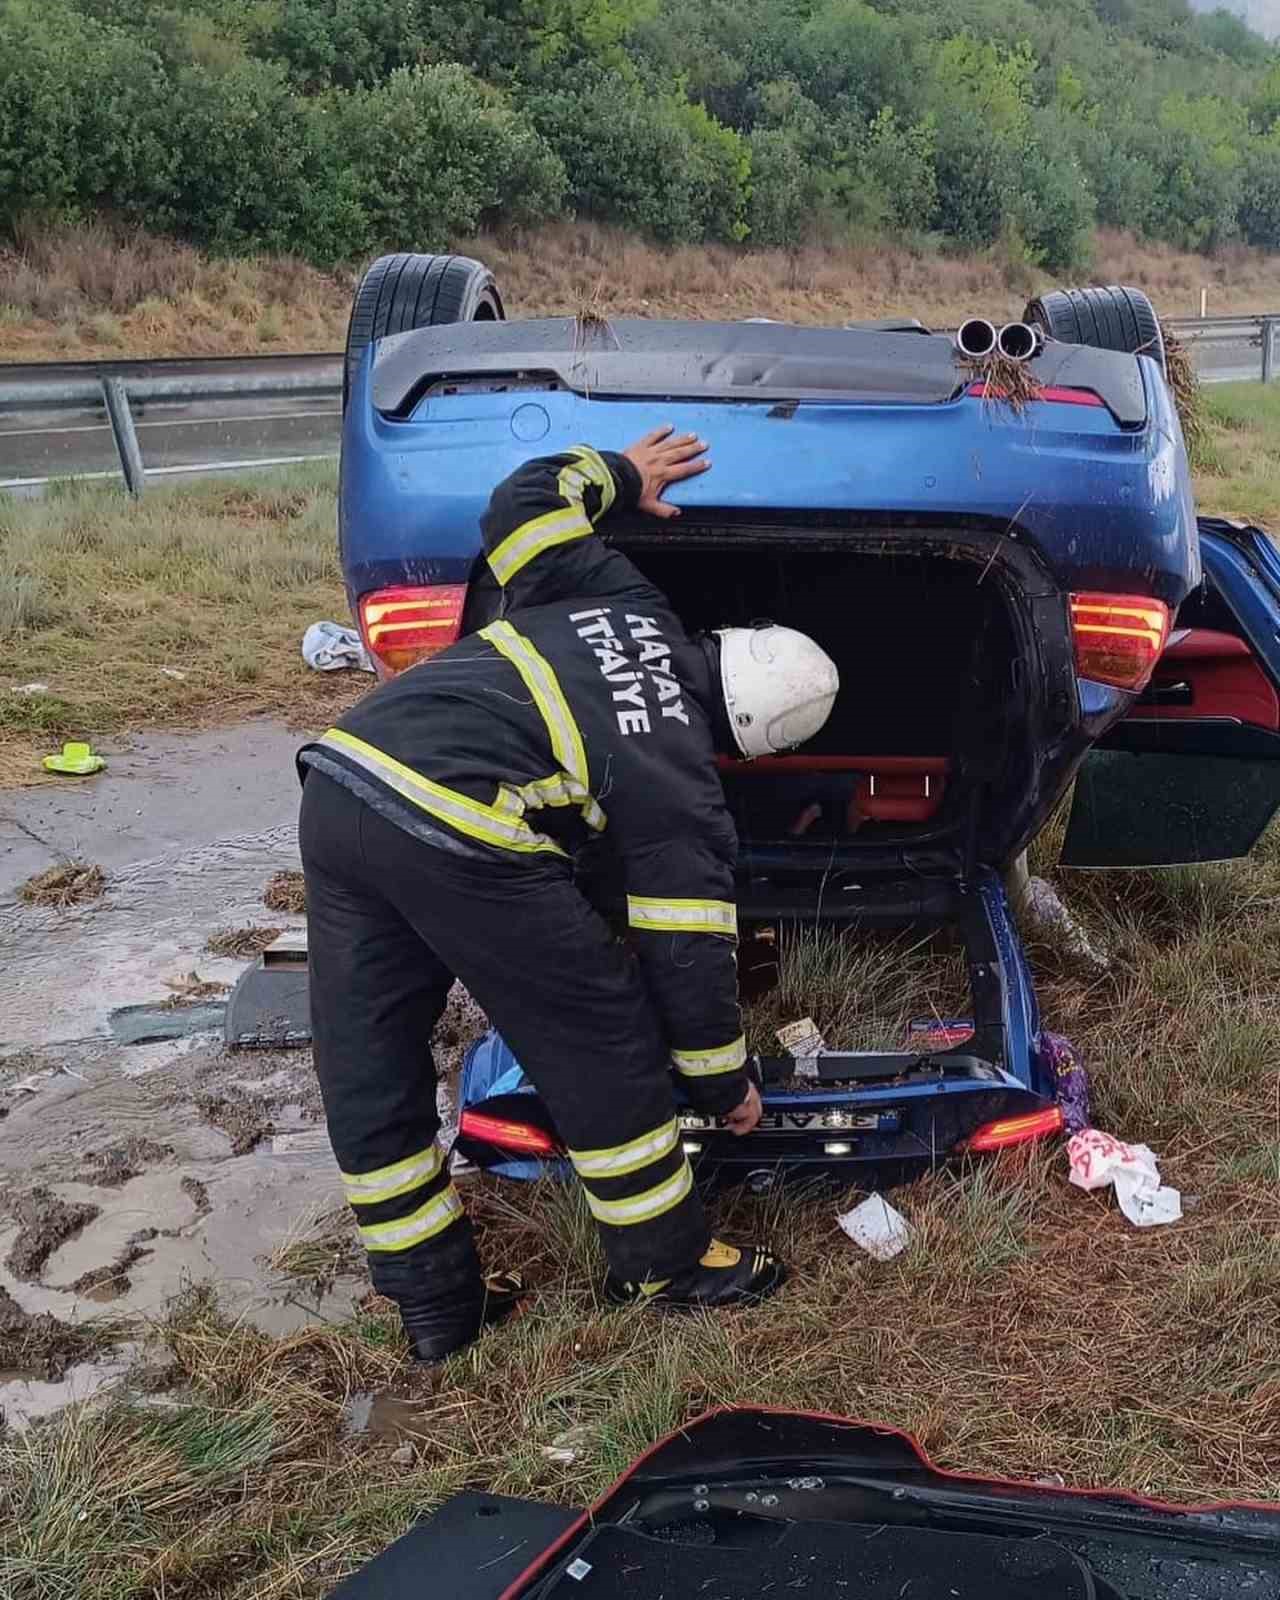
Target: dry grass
{"x": 101, "y": 291}
{"x": 70, "y": 883}
{"x": 96, "y": 291}
{"x": 1028, "y": 1329}
{"x": 241, "y": 943}
{"x": 184, "y": 608}
{"x": 286, "y": 891}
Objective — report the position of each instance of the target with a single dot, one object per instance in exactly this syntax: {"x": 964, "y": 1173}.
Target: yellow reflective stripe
{"x": 531, "y": 538}
{"x": 707, "y": 1063}
{"x": 643, "y": 1207}
{"x": 682, "y": 916}
{"x": 620, "y": 1159}
{"x": 544, "y": 686}
{"x": 366, "y": 1188}
{"x": 562, "y": 730}
{"x": 556, "y": 790}
{"x": 592, "y": 464}
{"x": 490, "y": 824}
{"x": 424, "y": 1223}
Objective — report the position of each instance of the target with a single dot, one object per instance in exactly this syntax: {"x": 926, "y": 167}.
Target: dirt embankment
{"x": 90, "y": 292}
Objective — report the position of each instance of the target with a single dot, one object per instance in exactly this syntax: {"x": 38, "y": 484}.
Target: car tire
{"x": 406, "y": 291}
{"x": 1113, "y": 318}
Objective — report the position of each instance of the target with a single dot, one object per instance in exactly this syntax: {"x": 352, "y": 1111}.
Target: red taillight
{"x": 1054, "y": 395}
{"x": 404, "y": 625}
{"x": 504, "y": 1134}
{"x": 999, "y": 1135}
{"x": 1118, "y": 637}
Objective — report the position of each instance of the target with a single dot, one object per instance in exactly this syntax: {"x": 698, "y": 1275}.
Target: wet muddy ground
{"x": 130, "y": 1171}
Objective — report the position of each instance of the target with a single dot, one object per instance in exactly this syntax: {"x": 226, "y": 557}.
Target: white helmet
{"x": 779, "y": 687}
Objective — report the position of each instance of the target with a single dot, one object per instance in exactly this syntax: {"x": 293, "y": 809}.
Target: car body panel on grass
{"x": 822, "y": 1503}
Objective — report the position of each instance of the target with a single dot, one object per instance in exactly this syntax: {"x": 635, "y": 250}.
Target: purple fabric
{"x": 1071, "y": 1078}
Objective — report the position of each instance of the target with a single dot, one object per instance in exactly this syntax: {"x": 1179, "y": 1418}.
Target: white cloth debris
{"x": 803, "y": 1041}
{"x": 877, "y": 1227}
{"x": 29, "y": 688}
{"x": 1051, "y": 921}
{"x": 1096, "y": 1159}
{"x": 329, "y": 647}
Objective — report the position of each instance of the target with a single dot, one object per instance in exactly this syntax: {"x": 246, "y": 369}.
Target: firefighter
{"x": 439, "y": 823}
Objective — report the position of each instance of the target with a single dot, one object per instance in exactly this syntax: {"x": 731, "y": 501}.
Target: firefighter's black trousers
{"x": 391, "y": 922}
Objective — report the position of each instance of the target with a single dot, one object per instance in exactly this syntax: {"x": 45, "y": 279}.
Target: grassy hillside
{"x": 335, "y": 128}
{"x": 90, "y": 291}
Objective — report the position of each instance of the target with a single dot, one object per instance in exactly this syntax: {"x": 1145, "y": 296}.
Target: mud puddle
{"x": 189, "y": 831}
{"x": 128, "y": 1173}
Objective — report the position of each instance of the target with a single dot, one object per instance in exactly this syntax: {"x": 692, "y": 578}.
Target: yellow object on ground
{"x": 78, "y": 760}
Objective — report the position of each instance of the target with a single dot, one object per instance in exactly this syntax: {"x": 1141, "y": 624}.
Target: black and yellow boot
{"x": 727, "y": 1277}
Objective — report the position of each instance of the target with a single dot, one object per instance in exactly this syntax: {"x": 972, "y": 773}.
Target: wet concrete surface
{"x": 160, "y": 793}
{"x": 189, "y": 830}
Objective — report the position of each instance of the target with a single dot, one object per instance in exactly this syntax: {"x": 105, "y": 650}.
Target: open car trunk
{"x": 929, "y": 685}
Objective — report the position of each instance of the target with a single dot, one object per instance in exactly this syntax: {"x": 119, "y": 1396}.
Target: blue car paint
{"x": 1102, "y": 507}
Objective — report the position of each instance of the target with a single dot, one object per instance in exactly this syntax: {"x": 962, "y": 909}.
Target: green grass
{"x": 215, "y": 581}
{"x": 1240, "y": 461}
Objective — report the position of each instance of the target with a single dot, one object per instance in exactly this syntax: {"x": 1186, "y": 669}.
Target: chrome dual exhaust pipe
{"x": 978, "y": 338}
{"x": 1018, "y": 340}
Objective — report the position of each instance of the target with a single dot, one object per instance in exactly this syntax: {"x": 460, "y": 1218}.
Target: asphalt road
{"x": 179, "y": 438}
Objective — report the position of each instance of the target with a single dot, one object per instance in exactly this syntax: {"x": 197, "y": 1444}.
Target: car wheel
{"x": 406, "y": 291}
{"x": 1107, "y": 319}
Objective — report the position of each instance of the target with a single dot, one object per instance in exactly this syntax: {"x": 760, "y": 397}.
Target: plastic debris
{"x": 803, "y": 1041}
{"x": 1048, "y": 919}
{"x": 1097, "y": 1159}
{"x": 174, "y": 672}
{"x": 77, "y": 760}
{"x": 874, "y": 1224}
{"x": 1071, "y": 1078}
{"x": 29, "y": 688}
{"x": 566, "y": 1447}
{"x": 329, "y": 647}
{"x": 939, "y": 1032}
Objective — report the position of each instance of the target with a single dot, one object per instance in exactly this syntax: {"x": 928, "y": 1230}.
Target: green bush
{"x": 347, "y": 42}
{"x": 433, "y": 153}
{"x": 253, "y": 168}
{"x": 659, "y": 163}
{"x": 1260, "y": 194}
{"x": 67, "y": 145}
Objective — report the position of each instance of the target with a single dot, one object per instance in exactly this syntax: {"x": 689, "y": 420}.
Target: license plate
{"x": 804, "y": 1122}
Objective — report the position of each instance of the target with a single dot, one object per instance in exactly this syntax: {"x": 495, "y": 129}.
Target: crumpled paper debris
{"x": 1097, "y": 1159}
{"x": 881, "y": 1230}
{"x": 329, "y": 647}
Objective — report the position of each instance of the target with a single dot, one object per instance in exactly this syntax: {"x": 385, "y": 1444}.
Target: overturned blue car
{"x": 992, "y": 535}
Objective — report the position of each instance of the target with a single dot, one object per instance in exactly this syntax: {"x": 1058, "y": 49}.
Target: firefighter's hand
{"x": 664, "y": 457}
{"x": 744, "y": 1117}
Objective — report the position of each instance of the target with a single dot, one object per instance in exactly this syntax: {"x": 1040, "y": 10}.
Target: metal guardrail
{"x": 113, "y": 388}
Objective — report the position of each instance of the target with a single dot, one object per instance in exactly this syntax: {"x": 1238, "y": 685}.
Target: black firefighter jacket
{"x": 583, "y": 713}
